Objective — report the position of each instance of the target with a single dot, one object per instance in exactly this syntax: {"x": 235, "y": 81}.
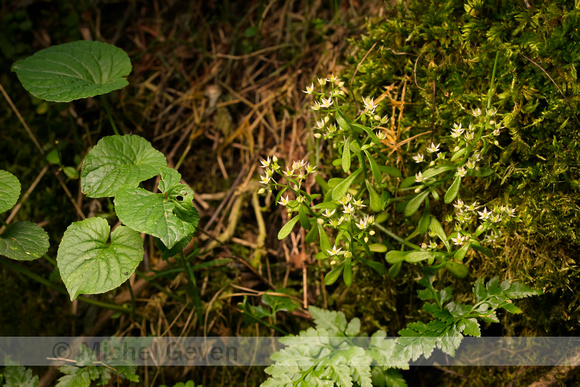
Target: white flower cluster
{"x": 297, "y": 173}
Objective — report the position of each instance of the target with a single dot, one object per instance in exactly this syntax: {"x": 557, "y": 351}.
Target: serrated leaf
{"x": 333, "y": 322}
{"x": 24, "y": 241}
{"x": 346, "y": 155}
{"x": 453, "y": 190}
{"x": 414, "y": 204}
{"x": 9, "y": 190}
{"x": 74, "y": 70}
{"x": 342, "y": 188}
{"x": 18, "y": 376}
{"x": 287, "y": 228}
{"x": 479, "y": 290}
{"x": 169, "y": 215}
{"x": 471, "y": 327}
{"x": 450, "y": 341}
{"x": 116, "y": 161}
{"x": 88, "y": 264}
{"x": 510, "y": 307}
{"x": 518, "y": 290}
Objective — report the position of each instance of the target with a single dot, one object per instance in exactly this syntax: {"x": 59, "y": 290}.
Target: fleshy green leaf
{"x": 333, "y": 275}
{"x": 116, "y": 161}
{"x": 451, "y": 193}
{"x": 425, "y": 219}
{"x": 9, "y": 190}
{"x": 287, "y": 228}
{"x": 457, "y": 269}
{"x": 74, "y": 70}
{"x": 169, "y": 215}
{"x": 24, "y": 241}
{"x": 347, "y": 273}
{"x": 414, "y": 204}
{"x": 89, "y": 264}
{"x": 346, "y": 155}
{"x": 342, "y": 188}
{"x": 374, "y": 168}
{"x": 375, "y": 199}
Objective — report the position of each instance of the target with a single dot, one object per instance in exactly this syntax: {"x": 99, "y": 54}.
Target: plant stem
{"x": 106, "y": 104}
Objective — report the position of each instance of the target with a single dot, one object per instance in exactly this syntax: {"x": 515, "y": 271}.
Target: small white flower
{"x": 362, "y": 224}
{"x": 288, "y": 172}
{"x": 320, "y": 124}
{"x": 266, "y": 163}
{"x": 457, "y": 131}
{"x": 441, "y": 156}
{"x": 495, "y": 218}
{"x": 433, "y": 148}
{"x": 309, "y": 89}
{"x": 310, "y": 169}
{"x": 461, "y": 172}
{"x": 459, "y": 239}
{"x": 476, "y": 112}
{"x": 332, "y": 128}
{"x": 284, "y": 201}
{"x": 496, "y": 132}
{"x": 381, "y": 135}
{"x": 419, "y": 177}
{"x": 469, "y": 136}
{"x": 322, "y": 81}
{"x": 370, "y": 104}
{"x": 485, "y": 214}
{"x": 345, "y": 199}
{"x": 433, "y": 245}
{"x": 358, "y": 203}
{"x": 325, "y": 102}
{"x": 459, "y": 204}
{"x": 348, "y": 209}
{"x": 419, "y": 158}
{"x": 473, "y": 206}
{"x": 265, "y": 179}
{"x": 316, "y": 106}
{"x": 491, "y": 112}
{"x": 332, "y": 79}
{"x": 470, "y": 164}
{"x": 329, "y": 213}
{"x": 384, "y": 120}
{"x": 334, "y": 251}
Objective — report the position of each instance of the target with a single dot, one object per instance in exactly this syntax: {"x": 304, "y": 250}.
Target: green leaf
{"x": 376, "y": 266}
{"x": 518, "y": 290}
{"x": 287, "y": 228}
{"x": 425, "y": 220}
{"x": 24, "y": 241}
{"x": 74, "y": 70}
{"x": 169, "y": 215}
{"x": 479, "y": 290}
{"x": 414, "y": 204}
{"x": 392, "y": 171}
{"x": 470, "y": 327}
{"x": 116, "y": 161}
{"x": 175, "y": 250}
{"x": 432, "y": 172}
{"x": 304, "y": 222}
{"x": 395, "y": 269}
{"x": 324, "y": 241}
{"x": 342, "y": 188}
{"x": 457, "y": 269}
{"x": 9, "y": 190}
{"x": 333, "y": 275}
{"x": 375, "y": 199}
{"x": 343, "y": 123}
{"x": 395, "y": 256}
{"x": 436, "y": 227}
{"x": 451, "y": 193}
{"x": 18, "y": 376}
{"x": 312, "y": 235}
{"x": 481, "y": 172}
{"x": 333, "y": 322}
{"x": 460, "y": 254}
{"x": 374, "y": 168}
{"x": 347, "y": 273}
{"x": 346, "y": 155}
{"x": 418, "y": 256}
{"x": 89, "y": 264}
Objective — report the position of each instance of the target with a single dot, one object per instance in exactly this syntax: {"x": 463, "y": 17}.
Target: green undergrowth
{"x": 439, "y": 54}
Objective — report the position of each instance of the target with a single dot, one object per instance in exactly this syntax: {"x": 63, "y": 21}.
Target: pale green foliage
{"x": 329, "y": 356}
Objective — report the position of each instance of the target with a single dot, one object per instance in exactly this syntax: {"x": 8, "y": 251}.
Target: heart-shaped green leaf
{"x": 116, "y": 161}
{"x": 74, "y": 70}
{"x": 169, "y": 215}
{"x": 9, "y": 191}
{"x": 24, "y": 241}
{"x": 88, "y": 264}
